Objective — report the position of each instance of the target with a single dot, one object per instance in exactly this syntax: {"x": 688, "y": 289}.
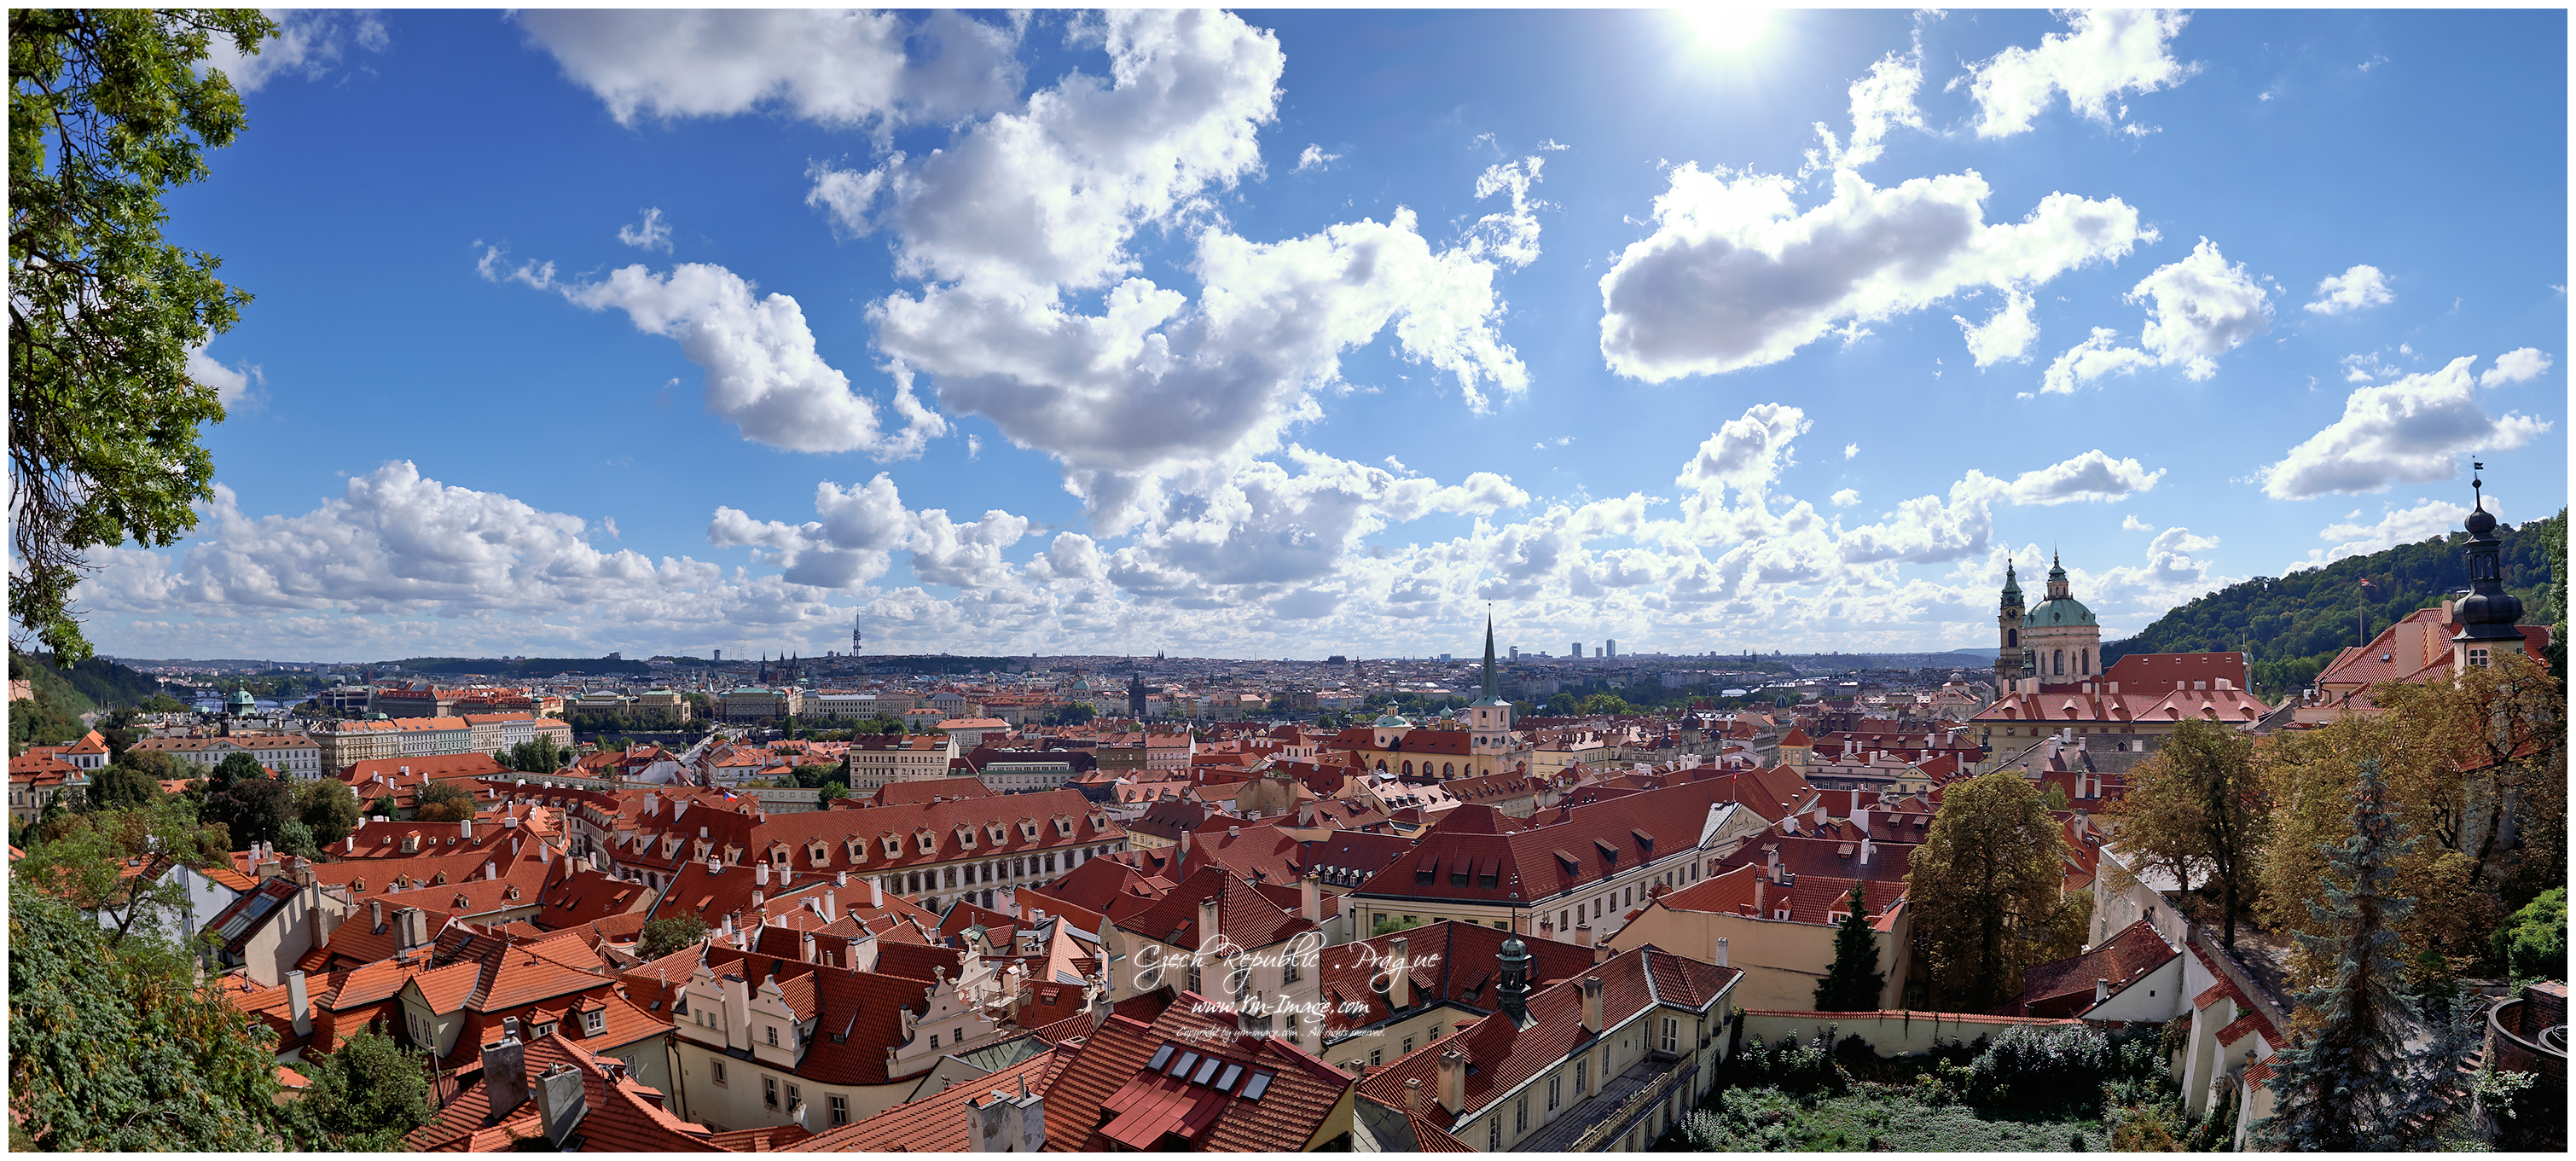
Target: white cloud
{"x": 2130, "y": 523}
{"x": 841, "y": 69}
{"x": 308, "y": 43}
{"x": 1845, "y": 498}
{"x": 763, "y": 372}
{"x": 859, "y": 529}
{"x": 1746, "y": 453}
{"x": 2516, "y": 366}
{"x": 2428, "y": 518}
{"x": 846, "y": 196}
{"x": 1879, "y": 102}
{"x": 2007, "y": 334}
{"x": 2108, "y": 52}
{"x": 2091, "y": 476}
{"x": 2094, "y": 358}
{"x": 2200, "y": 308}
{"x": 2363, "y": 368}
{"x": 1850, "y": 450}
{"x": 2197, "y": 309}
{"x": 2176, "y": 571}
{"x": 1314, "y": 157}
{"x": 231, "y": 384}
{"x": 1510, "y": 236}
{"x": 2356, "y": 289}
{"x": 650, "y": 234}
{"x": 2412, "y": 430}
{"x": 1736, "y": 276}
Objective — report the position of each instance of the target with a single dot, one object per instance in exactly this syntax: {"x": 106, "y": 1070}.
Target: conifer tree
{"x": 1854, "y": 982}
{"x": 2348, "y": 1082}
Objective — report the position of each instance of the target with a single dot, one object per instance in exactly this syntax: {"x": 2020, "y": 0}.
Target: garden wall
{"x": 1888, "y": 1033}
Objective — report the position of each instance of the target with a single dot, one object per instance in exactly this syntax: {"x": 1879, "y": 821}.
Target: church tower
{"x": 2008, "y": 653}
{"x": 1489, "y": 718}
{"x": 2060, "y": 636}
{"x": 2488, "y": 614}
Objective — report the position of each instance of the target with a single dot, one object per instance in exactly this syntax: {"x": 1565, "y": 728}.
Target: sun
{"x": 1731, "y": 28}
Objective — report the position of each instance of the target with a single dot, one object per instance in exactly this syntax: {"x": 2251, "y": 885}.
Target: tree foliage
{"x": 249, "y": 804}
{"x": 1985, "y": 890}
{"x": 2348, "y": 1081}
{"x": 105, "y": 112}
{"x": 113, "y": 1046}
{"x": 364, "y": 1097}
{"x": 444, "y": 802}
{"x": 2533, "y": 945}
{"x": 2199, "y": 810}
{"x": 1853, "y": 983}
{"x": 537, "y": 755}
{"x": 327, "y": 808}
{"x": 2293, "y": 625}
{"x": 669, "y": 934}
{"x": 2478, "y": 768}
{"x": 83, "y": 859}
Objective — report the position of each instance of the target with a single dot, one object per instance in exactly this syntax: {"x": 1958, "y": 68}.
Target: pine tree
{"x": 2348, "y": 1082}
{"x": 1854, "y": 982}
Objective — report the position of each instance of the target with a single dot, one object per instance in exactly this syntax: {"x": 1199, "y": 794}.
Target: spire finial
{"x": 2477, "y": 484}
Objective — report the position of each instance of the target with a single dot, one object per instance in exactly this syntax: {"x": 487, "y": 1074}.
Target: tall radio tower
{"x": 856, "y": 640}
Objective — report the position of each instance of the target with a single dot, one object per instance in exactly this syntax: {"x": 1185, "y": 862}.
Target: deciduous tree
{"x": 2199, "y": 810}
{"x": 669, "y": 934}
{"x": 113, "y": 1046}
{"x": 84, "y": 860}
{"x": 106, "y": 110}
{"x": 364, "y": 1097}
{"x": 444, "y": 802}
{"x": 1985, "y": 890}
{"x": 328, "y": 808}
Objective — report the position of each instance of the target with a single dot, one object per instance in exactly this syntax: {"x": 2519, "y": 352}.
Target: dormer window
{"x": 928, "y": 844}
{"x": 966, "y": 837}
{"x": 1029, "y": 830}
{"x": 858, "y": 850}
{"x": 1063, "y": 826}
{"x": 997, "y": 834}
{"x": 893, "y": 846}
{"x": 594, "y": 1021}
{"x": 820, "y": 853}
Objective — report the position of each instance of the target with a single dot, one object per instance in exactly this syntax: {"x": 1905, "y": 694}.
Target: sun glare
{"x": 1727, "y": 27}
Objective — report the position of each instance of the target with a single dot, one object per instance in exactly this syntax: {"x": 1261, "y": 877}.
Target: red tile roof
{"x": 939, "y": 1123}
{"x": 1105, "y": 1084}
{"x": 2065, "y": 987}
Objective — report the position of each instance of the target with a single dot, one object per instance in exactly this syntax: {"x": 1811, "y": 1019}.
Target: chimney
{"x": 1185, "y": 844}
{"x": 1721, "y": 952}
{"x": 1860, "y": 818}
{"x": 1453, "y": 1081}
{"x": 1592, "y": 1005}
{"x": 760, "y": 873}
{"x": 840, "y": 878}
{"x": 505, "y": 1076}
{"x": 465, "y": 829}
{"x": 409, "y": 924}
{"x": 1413, "y": 1095}
{"x": 1601, "y": 950}
{"x": 1399, "y": 983}
{"x": 298, "y": 1004}
{"x": 1207, "y": 923}
{"x": 832, "y": 904}
{"x": 1759, "y": 883}
{"x": 491, "y": 870}
{"x": 1310, "y": 898}
{"x": 561, "y": 1102}
{"x": 375, "y": 916}
{"x": 1007, "y": 1122}
{"x": 352, "y": 848}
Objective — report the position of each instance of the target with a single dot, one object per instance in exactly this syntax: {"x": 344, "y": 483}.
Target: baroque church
{"x": 2057, "y": 642}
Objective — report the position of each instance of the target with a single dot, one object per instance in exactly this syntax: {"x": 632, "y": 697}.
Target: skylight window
{"x": 1259, "y": 1084}
{"x": 1188, "y": 1061}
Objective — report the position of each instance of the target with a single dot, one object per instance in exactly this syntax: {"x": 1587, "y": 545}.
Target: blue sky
{"x": 1309, "y": 332}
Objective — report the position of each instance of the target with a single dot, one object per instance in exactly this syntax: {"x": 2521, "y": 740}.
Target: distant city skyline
{"x": 1311, "y": 332}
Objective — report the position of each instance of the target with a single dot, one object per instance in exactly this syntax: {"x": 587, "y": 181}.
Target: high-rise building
{"x": 1609, "y": 647}
{"x": 1516, "y": 652}
{"x": 1577, "y": 654}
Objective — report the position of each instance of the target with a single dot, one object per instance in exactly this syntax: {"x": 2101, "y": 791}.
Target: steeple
{"x": 2012, "y": 586}
{"x": 1493, "y": 681}
{"x": 1513, "y": 993}
{"x": 2057, "y": 590}
{"x": 2488, "y": 613}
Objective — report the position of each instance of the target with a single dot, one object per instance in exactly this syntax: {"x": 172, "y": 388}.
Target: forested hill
{"x": 2292, "y": 625}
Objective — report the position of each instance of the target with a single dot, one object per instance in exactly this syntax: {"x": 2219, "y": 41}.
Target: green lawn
{"x": 1872, "y": 1117}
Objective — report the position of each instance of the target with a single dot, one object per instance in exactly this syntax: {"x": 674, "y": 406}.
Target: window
{"x": 1672, "y": 1033}
{"x": 1552, "y": 1093}
{"x": 1194, "y": 975}
{"x": 1050, "y": 863}
{"x": 1582, "y": 1077}
{"x": 1288, "y": 970}
{"x": 2478, "y": 658}
{"x": 1563, "y": 922}
{"x": 934, "y": 1040}
{"x": 720, "y": 1072}
{"x": 1494, "y": 1135}
{"x": 1520, "y": 1114}
{"x": 840, "y": 1110}
{"x": 1376, "y": 1056}
{"x": 546, "y": 1029}
{"x": 772, "y": 1031}
{"x": 770, "y": 1094}
{"x": 1408, "y": 1046}
{"x": 794, "y": 1098}
{"x": 595, "y": 1021}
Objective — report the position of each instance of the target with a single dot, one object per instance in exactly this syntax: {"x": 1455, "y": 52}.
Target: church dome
{"x": 2059, "y": 611}
{"x": 1391, "y": 721}
{"x": 2481, "y": 524}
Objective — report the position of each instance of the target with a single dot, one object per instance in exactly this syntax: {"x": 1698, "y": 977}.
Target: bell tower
{"x": 2008, "y": 653}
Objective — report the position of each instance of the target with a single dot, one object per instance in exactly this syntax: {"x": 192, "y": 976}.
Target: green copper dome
{"x": 2061, "y": 611}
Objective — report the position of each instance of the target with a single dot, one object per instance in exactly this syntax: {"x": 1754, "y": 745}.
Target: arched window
{"x": 1408, "y": 768}
{"x": 2012, "y": 638}
{"x": 1448, "y": 768}
{"x": 2061, "y": 661}
{"x": 2084, "y": 660}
